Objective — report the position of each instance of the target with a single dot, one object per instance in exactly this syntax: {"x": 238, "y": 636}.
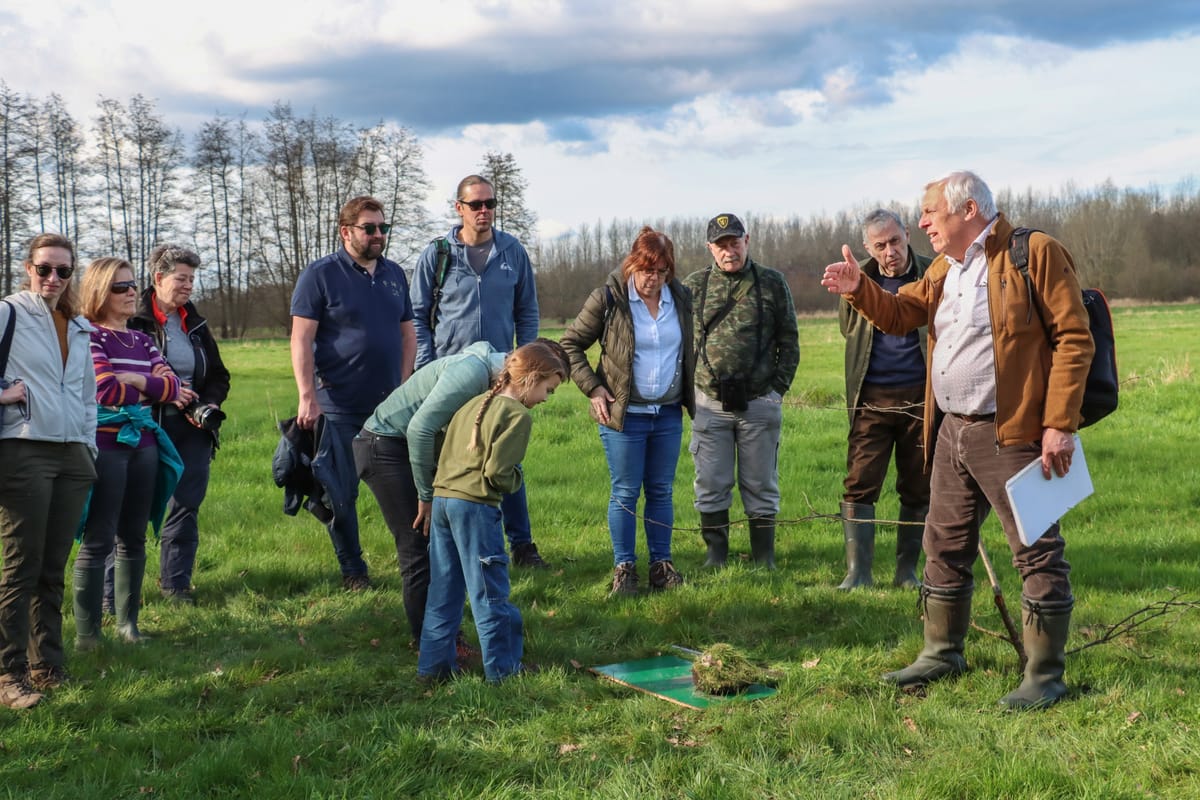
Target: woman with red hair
{"x": 642, "y": 317}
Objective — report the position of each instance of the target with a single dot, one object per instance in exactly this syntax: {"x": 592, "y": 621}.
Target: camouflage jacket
{"x": 729, "y": 347}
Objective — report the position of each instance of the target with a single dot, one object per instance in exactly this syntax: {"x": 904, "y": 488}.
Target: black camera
{"x": 203, "y": 416}
{"x": 733, "y": 394}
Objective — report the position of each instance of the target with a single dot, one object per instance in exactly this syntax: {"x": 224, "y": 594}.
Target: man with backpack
{"x": 476, "y": 284}
{"x": 1008, "y": 363}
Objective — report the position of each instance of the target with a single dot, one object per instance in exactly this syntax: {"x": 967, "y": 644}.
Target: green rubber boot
{"x": 127, "y": 580}
{"x": 762, "y": 541}
{"x": 947, "y": 615}
{"x": 909, "y": 534}
{"x": 1046, "y": 625}
{"x": 714, "y": 528}
{"x": 88, "y": 590}
{"x": 860, "y": 544}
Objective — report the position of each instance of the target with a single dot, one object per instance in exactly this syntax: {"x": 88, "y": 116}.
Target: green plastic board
{"x": 670, "y": 678}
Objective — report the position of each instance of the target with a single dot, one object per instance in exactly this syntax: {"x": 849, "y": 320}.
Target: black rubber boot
{"x": 947, "y": 616}
{"x": 1045, "y": 627}
{"x": 714, "y": 528}
{"x": 127, "y": 580}
{"x": 909, "y": 534}
{"x": 860, "y": 544}
{"x": 88, "y": 588}
{"x": 762, "y": 542}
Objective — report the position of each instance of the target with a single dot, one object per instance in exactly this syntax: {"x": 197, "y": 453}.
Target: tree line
{"x": 258, "y": 200}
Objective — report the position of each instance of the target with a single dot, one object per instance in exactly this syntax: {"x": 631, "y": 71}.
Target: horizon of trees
{"x": 258, "y": 200}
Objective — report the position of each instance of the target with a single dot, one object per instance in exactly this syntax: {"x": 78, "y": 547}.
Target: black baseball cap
{"x": 723, "y": 225}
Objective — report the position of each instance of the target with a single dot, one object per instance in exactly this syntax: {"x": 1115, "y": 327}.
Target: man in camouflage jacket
{"x": 747, "y": 349}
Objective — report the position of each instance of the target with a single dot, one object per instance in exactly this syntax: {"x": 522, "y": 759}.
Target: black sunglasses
{"x": 121, "y": 287}
{"x": 43, "y": 271}
{"x": 369, "y": 228}
{"x": 475, "y": 205}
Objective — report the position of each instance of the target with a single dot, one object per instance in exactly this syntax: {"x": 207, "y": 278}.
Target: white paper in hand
{"x": 1037, "y": 503}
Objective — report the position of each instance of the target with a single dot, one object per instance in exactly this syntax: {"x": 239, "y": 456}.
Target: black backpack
{"x": 439, "y": 278}
{"x": 1100, "y": 396}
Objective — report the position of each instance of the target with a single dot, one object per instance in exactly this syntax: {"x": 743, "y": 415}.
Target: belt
{"x": 970, "y": 418}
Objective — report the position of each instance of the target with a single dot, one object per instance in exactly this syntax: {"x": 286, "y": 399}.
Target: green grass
{"x": 280, "y": 685}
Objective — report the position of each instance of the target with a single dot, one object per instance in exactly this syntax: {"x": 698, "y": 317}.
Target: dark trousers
{"x": 969, "y": 473}
{"x": 43, "y": 486}
{"x": 334, "y": 461}
{"x": 888, "y": 418}
{"x": 382, "y": 463}
{"x": 119, "y": 510}
{"x": 181, "y": 529}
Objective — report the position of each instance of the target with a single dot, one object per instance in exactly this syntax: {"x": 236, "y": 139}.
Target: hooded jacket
{"x": 492, "y": 307}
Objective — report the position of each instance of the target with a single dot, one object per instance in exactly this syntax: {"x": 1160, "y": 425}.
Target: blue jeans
{"x": 466, "y": 557}
{"x": 515, "y": 509}
{"x": 336, "y": 455}
{"x": 642, "y": 457}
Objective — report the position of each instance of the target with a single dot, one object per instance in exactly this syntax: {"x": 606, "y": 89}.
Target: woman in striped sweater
{"x": 130, "y": 375}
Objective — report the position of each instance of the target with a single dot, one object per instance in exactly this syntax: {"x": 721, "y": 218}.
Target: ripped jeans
{"x": 467, "y": 558}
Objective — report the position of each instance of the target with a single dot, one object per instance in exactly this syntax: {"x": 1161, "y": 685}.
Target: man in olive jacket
{"x": 885, "y": 392}
{"x": 1008, "y": 364}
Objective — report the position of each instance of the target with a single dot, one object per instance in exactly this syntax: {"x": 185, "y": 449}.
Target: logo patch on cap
{"x": 723, "y": 221}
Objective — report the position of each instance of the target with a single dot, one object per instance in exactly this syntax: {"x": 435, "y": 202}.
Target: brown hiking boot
{"x": 15, "y": 691}
{"x": 47, "y": 676}
{"x": 625, "y": 580}
{"x": 663, "y": 575}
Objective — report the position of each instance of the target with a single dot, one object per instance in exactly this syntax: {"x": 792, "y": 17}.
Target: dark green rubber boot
{"x": 127, "y": 580}
{"x": 762, "y": 541}
{"x": 947, "y": 616}
{"x": 1045, "y": 626}
{"x": 860, "y": 544}
{"x": 909, "y": 534}
{"x": 714, "y": 528}
{"x": 88, "y": 589}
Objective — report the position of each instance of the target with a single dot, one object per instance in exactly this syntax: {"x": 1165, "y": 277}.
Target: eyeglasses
{"x": 369, "y": 228}
{"x": 43, "y": 271}
{"x": 121, "y": 287}
{"x": 653, "y": 273}
{"x": 475, "y": 205}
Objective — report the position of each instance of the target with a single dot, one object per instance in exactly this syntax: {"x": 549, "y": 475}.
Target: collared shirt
{"x": 656, "y": 350}
{"x": 357, "y": 349}
{"x": 964, "y": 361}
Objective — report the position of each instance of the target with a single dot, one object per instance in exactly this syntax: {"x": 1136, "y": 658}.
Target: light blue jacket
{"x": 493, "y": 307}
{"x": 424, "y": 405}
{"x": 61, "y": 399}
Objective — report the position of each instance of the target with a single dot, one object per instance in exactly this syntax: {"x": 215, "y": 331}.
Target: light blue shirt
{"x": 656, "y": 348}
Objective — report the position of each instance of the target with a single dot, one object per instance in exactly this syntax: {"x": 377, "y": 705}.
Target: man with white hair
{"x": 1008, "y": 362}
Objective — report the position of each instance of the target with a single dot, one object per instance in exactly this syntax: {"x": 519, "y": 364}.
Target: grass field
{"x": 279, "y": 684}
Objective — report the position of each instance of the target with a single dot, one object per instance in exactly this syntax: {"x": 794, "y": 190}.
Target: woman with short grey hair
{"x": 167, "y": 315}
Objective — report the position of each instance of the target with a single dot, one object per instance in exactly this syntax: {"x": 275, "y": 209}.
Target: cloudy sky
{"x": 645, "y": 109}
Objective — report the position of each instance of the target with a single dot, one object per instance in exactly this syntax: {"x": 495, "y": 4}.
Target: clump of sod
{"x": 721, "y": 669}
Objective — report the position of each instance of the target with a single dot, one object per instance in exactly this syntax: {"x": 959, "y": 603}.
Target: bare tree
{"x": 14, "y": 170}
{"x": 512, "y": 215}
{"x": 388, "y": 166}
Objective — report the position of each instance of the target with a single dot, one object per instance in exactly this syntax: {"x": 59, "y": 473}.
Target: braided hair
{"x": 524, "y": 367}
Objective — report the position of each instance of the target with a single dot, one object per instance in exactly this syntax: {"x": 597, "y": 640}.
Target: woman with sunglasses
{"x": 47, "y": 464}
{"x": 137, "y": 464}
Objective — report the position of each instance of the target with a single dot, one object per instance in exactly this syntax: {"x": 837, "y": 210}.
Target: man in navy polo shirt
{"x": 353, "y": 342}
